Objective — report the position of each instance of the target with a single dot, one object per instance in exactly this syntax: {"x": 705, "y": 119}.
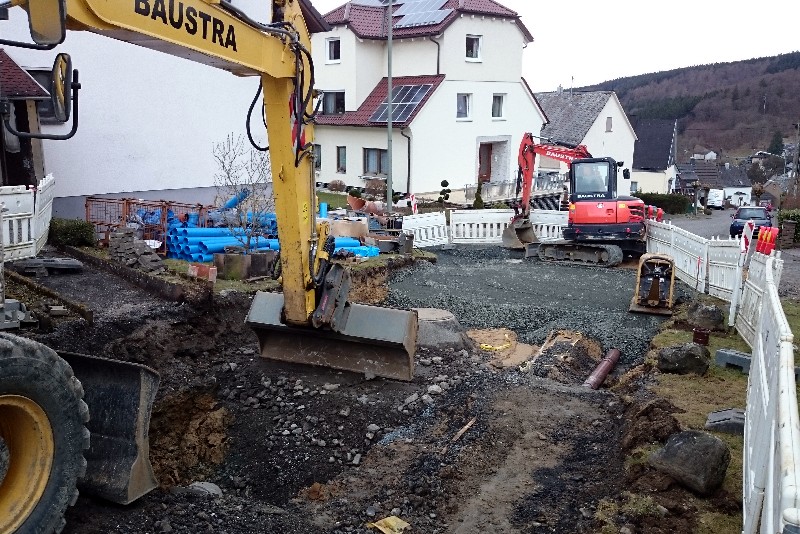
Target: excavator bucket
{"x": 518, "y": 234}
{"x": 369, "y": 339}
{"x": 120, "y": 398}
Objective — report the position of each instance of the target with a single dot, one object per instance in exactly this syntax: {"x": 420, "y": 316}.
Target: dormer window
{"x": 334, "y": 47}
{"x": 473, "y": 48}
{"x": 333, "y": 102}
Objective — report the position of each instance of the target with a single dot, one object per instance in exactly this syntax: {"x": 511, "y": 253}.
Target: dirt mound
{"x": 567, "y": 357}
{"x": 188, "y": 437}
{"x": 650, "y": 422}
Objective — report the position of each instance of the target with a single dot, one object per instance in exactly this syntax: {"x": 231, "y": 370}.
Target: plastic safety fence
{"x": 153, "y": 219}
{"x": 106, "y": 214}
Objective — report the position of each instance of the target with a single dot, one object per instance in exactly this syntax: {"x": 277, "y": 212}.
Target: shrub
{"x": 791, "y": 215}
{"x": 336, "y": 185}
{"x": 354, "y": 193}
{"x": 670, "y": 203}
{"x": 478, "y": 202}
{"x": 375, "y": 188}
{"x": 72, "y": 232}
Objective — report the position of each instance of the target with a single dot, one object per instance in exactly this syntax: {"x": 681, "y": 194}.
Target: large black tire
{"x": 35, "y": 372}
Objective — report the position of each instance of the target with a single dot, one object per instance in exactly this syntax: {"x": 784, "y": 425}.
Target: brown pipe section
{"x": 600, "y": 372}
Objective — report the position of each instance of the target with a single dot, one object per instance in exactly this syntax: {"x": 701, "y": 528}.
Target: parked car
{"x": 758, "y": 214}
{"x": 766, "y": 204}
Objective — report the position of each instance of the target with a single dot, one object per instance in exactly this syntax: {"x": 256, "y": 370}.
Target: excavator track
{"x": 582, "y": 253}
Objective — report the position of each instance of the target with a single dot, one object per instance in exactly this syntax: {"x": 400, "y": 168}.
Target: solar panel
{"x": 423, "y": 18}
{"x": 419, "y": 6}
{"x": 405, "y": 99}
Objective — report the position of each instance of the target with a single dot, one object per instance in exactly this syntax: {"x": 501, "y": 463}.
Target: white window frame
{"x": 328, "y": 42}
{"x": 502, "y": 115}
{"x": 317, "y": 149}
{"x": 477, "y": 58}
{"x": 341, "y": 159}
{"x": 332, "y": 97}
{"x": 609, "y": 124}
{"x": 468, "y": 114}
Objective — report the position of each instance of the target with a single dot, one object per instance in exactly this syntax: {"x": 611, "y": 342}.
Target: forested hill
{"x": 731, "y": 108}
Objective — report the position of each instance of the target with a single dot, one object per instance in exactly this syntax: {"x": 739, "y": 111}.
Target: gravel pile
{"x": 494, "y": 287}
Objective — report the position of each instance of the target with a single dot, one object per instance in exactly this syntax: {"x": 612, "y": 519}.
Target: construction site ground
{"x": 472, "y": 444}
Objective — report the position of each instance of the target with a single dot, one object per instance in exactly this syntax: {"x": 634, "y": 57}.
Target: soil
{"x": 468, "y": 446}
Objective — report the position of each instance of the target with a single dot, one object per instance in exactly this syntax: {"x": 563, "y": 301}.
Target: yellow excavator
{"x": 70, "y": 420}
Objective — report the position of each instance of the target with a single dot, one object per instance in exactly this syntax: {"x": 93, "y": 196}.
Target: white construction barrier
{"x": 548, "y": 224}
{"x": 27, "y": 221}
{"x": 473, "y": 227}
{"x": 429, "y": 229}
{"x": 771, "y": 485}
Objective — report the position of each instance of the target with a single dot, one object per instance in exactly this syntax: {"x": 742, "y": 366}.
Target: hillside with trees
{"x": 732, "y": 108}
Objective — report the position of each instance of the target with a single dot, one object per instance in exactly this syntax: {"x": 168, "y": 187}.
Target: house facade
{"x": 654, "y": 157}
{"x": 595, "y": 119}
{"x": 460, "y": 106}
{"x": 149, "y": 121}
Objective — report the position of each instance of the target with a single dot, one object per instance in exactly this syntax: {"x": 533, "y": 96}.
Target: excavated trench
{"x": 467, "y": 446}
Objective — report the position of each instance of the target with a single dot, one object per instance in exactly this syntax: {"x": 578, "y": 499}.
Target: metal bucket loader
{"x": 655, "y": 285}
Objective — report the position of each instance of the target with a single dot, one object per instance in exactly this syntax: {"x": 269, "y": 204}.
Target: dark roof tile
{"x": 16, "y": 83}
{"x": 368, "y": 20}
{"x": 571, "y": 113}
{"x": 653, "y": 150}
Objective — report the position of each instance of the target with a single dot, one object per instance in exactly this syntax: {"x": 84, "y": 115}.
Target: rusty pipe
{"x": 600, "y": 372}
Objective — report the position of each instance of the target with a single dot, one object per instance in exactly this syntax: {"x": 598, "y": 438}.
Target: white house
{"x": 148, "y": 120}
{"x": 654, "y": 166}
{"x": 460, "y": 105}
{"x": 595, "y": 119}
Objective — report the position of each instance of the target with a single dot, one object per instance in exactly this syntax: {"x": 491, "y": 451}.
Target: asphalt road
{"x": 715, "y": 225}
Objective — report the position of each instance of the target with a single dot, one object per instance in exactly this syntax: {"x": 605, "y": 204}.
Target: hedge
{"x": 791, "y": 215}
{"x": 72, "y": 232}
{"x": 672, "y": 204}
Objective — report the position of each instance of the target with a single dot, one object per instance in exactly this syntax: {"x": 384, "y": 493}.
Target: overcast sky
{"x": 594, "y": 41}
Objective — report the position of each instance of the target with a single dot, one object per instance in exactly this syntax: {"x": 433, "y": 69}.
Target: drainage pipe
{"x": 600, "y": 372}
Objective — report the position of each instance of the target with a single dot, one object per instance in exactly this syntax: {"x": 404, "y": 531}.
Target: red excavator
{"x": 602, "y": 225}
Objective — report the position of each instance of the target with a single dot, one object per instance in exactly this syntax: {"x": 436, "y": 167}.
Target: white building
{"x": 148, "y": 120}
{"x": 595, "y": 119}
{"x": 460, "y": 106}
{"x": 654, "y": 165}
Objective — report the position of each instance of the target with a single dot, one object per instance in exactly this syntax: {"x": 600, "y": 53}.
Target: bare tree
{"x": 245, "y": 174}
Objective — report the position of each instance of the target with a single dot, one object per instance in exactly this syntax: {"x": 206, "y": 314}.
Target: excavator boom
{"x": 520, "y": 232}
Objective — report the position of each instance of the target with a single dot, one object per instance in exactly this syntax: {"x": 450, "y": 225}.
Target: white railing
{"x": 27, "y": 221}
{"x": 429, "y": 229}
{"x": 471, "y": 227}
{"x": 771, "y": 485}
{"x": 478, "y": 227}
{"x": 689, "y": 252}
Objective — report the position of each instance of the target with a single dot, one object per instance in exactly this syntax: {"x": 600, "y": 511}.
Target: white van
{"x": 716, "y": 199}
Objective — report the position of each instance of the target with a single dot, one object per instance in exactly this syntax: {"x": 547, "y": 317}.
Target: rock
{"x": 208, "y": 487}
{"x": 164, "y": 526}
{"x": 427, "y": 400}
{"x": 344, "y": 412}
{"x": 373, "y": 428}
{"x": 434, "y": 390}
{"x": 697, "y": 460}
{"x": 425, "y": 362}
{"x": 684, "y": 359}
{"x": 411, "y": 399}
{"x": 357, "y": 459}
{"x": 330, "y": 387}
{"x": 706, "y": 316}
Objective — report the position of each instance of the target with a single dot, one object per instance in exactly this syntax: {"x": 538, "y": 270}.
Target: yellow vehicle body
{"x": 311, "y": 322}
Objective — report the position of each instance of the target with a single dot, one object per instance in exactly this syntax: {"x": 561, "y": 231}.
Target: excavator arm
{"x": 520, "y": 231}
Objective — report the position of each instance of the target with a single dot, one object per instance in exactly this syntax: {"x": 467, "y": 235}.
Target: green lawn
{"x": 334, "y": 200}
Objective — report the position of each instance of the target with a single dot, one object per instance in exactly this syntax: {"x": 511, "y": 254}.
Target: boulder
{"x": 684, "y": 359}
{"x": 707, "y": 316}
{"x": 697, "y": 460}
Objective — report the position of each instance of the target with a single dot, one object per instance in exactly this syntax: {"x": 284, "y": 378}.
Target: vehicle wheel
{"x": 43, "y": 433}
